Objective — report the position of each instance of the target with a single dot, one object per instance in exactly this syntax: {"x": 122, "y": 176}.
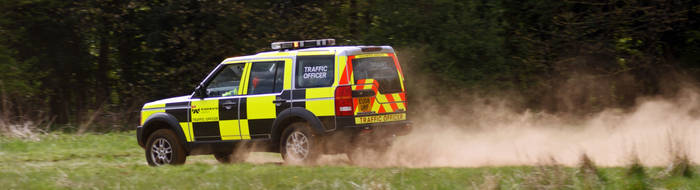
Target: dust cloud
{"x": 477, "y": 132}
{"x": 487, "y": 132}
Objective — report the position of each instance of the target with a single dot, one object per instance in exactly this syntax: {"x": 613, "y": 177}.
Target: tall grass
{"x": 548, "y": 175}
{"x": 589, "y": 177}
{"x": 23, "y": 126}
{"x": 680, "y": 164}
{"x": 489, "y": 182}
{"x": 637, "y": 175}
{"x": 17, "y": 120}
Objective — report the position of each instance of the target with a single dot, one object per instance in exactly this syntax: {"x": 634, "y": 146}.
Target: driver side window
{"x": 226, "y": 82}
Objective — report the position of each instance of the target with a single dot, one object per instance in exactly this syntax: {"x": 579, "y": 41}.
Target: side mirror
{"x": 199, "y": 92}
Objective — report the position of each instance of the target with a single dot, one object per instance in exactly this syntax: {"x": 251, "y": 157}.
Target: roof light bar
{"x": 303, "y": 44}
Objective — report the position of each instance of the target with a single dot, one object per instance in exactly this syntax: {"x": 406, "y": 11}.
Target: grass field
{"x": 115, "y": 161}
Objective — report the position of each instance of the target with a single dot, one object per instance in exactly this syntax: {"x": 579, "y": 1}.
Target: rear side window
{"x": 266, "y": 77}
{"x": 314, "y": 71}
{"x": 381, "y": 69}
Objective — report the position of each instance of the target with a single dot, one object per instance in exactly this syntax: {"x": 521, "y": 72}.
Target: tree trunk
{"x": 103, "y": 67}
{"x": 354, "y": 19}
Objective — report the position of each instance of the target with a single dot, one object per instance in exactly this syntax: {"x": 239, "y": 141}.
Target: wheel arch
{"x": 289, "y": 116}
{"x": 162, "y": 121}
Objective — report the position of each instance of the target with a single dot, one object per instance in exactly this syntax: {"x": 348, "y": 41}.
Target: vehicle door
{"x": 266, "y": 79}
{"x": 214, "y": 116}
{"x": 379, "y": 76}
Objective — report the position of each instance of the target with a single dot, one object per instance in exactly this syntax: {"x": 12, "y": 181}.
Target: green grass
{"x": 115, "y": 161}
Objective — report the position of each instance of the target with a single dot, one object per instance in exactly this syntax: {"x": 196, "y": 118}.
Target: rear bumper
{"x": 374, "y": 135}
{"x": 398, "y": 128}
{"x": 139, "y": 136}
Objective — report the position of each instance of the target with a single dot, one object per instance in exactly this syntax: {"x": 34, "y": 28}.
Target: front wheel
{"x": 163, "y": 147}
{"x": 299, "y": 145}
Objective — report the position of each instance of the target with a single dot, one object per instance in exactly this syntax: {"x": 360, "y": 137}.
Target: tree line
{"x": 98, "y": 61}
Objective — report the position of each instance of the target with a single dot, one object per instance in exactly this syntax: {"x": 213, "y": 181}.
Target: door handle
{"x": 279, "y": 101}
{"x": 229, "y": 103}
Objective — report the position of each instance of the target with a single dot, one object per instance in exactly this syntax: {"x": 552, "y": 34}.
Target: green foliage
{"x": 69, "y": 58}
{"x": 9, "y": 76}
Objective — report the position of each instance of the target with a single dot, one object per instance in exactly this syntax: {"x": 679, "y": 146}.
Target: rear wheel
{"x": 299, "y": 145}
{"x": 163, "y": 147}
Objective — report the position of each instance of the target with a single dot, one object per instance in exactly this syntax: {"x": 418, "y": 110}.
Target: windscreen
{"x": 381, "y": 69}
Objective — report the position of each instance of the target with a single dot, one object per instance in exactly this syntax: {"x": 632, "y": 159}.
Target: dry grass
{"x": 490, "y": 182}
{"x": 637, "y": 175}
{"x": 589, "y": 175}
{"x": 680, "y": 164}
{"x": 85, "y": 125}
{"x": 22, "y": 126}
{"x": 548, "y": 175}
{"x": 27, "y": 130}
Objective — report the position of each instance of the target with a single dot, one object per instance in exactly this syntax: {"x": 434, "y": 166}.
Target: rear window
{"x": 381, "y": 69}
{"x": 314, "y": 71}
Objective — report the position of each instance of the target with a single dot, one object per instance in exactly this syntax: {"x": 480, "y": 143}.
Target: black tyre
{"x": 299, "y": 145}
{"x": 163, "y": 148}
